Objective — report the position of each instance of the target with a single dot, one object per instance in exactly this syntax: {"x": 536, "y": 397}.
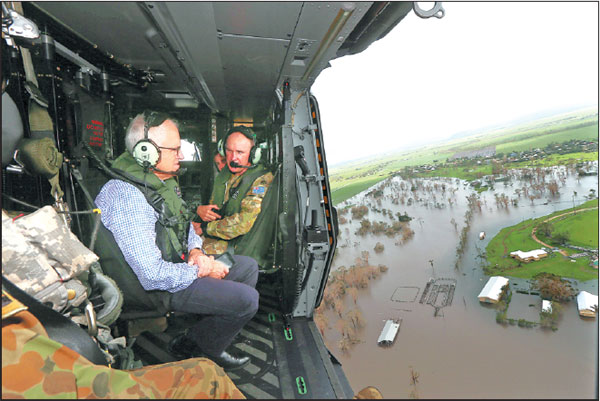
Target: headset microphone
{"x": 237, "y": 165}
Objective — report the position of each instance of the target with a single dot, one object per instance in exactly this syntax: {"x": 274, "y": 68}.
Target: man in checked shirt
{"x": 154, "y": 251}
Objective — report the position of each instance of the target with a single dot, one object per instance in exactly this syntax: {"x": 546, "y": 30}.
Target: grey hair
{"x": 135, "y": 132}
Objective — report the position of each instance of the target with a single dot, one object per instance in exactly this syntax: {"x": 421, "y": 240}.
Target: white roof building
{"x": 493, "y": 289}
{"x": 536, "y": 254}
{"x": 388, "y": 334}
{"x": 546, "y": 306}
{"x": 587, "y": 304}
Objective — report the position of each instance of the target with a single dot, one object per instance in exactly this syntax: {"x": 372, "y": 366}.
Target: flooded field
{"x": 462, "y": 352}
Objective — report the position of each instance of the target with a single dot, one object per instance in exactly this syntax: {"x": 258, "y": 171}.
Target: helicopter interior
{"x": 211, "y": 66}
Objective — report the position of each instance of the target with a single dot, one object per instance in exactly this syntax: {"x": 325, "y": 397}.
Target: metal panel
{"x": 251, "y": 68}
{"x": 111, "y": 26}
{"x": 260, "y": 19}
{"x": 314, "y": 23}
{"x": 196, "y": 22}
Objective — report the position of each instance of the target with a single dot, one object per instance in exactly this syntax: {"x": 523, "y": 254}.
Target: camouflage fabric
{"x": 42, "y": 257}
{"x": 237, "y": 224}
{"x": 369, "y": 392}
{"x": 34, "y": 366}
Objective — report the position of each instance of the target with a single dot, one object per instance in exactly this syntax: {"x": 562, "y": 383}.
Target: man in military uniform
{"x": 36, "y": 366}
{"x": 154, "y": 244}
{"x": 227, "y": 223}
{"x": 219, "y": 161}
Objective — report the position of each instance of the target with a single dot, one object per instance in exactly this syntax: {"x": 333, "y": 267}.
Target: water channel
{"x": 462, "y": 352}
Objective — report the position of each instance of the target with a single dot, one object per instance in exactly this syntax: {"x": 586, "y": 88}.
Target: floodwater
{"x": 463, "y": 352}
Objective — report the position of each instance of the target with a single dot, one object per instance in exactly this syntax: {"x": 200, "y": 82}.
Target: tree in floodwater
{"x": 353, "y": 291}
{"x": 455, "y": 224}
{"x": 549, "y": 320}
{"x": 356, "y": 318}
{"x": 321, "y": 321}
{"x": 414, "y": 379}
{"x": 553, "y": 287}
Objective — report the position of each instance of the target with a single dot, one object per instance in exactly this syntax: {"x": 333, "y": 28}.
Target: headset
{"x": 146, "y": 152}
{"x": 255, "y": 151}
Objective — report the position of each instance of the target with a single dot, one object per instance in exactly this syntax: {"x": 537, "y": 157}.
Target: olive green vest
{"x": 174, "y": 217}
{"x": 257, "y": 242}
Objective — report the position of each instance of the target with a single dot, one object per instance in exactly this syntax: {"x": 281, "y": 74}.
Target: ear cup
{"x": 221, "y": 147}
{"x": 146, "y": 153}
{"x": 255, "y": 154}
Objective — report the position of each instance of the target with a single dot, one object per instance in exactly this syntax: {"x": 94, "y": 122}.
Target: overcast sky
{"x": 481, "y": 64}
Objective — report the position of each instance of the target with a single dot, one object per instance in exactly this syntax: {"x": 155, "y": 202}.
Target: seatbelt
{"x": 40, "y": 123}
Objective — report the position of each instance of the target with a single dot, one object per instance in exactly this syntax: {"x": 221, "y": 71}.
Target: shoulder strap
{"x": 246, "y": 181}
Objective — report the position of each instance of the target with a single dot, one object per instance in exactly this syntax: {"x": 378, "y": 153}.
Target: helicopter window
{"x": 192, "y": 151}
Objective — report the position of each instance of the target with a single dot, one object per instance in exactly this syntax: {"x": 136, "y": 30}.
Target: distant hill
{"x": 520, "y": 120}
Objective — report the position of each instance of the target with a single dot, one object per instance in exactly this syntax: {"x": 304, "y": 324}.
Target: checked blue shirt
{"x": 127, "y": 214}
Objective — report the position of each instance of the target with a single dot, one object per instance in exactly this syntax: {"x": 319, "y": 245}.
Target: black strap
{"x": 58, "y": 327}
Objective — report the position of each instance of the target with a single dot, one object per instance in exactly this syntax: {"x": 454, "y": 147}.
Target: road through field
{"x": 535, "y": 238}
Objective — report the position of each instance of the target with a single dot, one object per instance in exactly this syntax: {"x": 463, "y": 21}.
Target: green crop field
{"x": 354, "y": 177}
{"x": 518, "y": 237}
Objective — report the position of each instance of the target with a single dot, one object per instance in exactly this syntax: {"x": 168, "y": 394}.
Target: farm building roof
{"x": 388, "y": 334}
{"x": 536, "y": 254}
{"x": 587, "y": 304}
{"x": 493, "y": 289}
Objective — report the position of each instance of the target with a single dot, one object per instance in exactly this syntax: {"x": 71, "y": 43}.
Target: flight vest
{"x": 174, "y": 217}
{"x": 256, "y": 242}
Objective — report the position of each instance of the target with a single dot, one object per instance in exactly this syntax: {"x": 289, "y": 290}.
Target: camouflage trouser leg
{"x": 35, "y": 366}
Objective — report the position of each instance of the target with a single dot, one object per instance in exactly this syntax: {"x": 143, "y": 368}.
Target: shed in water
{"x": 493, "y": 289}
{"x": 546, "y": 306}
{"x": 388, "y": 334}
{"x": 587, "y": 304}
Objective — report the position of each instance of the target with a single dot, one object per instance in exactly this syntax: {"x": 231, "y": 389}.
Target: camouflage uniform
{"x": 42, "y": 257}
{"x": 219, "y": 232}
{"x": 35, "y": 366}
{"x": 368, "y": 392}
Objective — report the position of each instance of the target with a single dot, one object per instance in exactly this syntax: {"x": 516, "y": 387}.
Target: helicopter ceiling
{"x": 231, "y": 56}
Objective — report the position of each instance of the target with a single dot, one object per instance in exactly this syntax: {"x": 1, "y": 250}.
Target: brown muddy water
{"x": 463, "y": 352}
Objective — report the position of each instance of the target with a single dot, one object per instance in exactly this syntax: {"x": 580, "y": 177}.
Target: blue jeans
{"x": 228, "y": 305}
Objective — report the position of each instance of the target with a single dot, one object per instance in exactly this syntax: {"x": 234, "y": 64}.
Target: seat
{"x": 137, "y": 302}
{"x": 89, "y": 117}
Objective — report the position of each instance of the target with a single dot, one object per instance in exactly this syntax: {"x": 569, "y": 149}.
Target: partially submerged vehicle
{"x": 211, "y": 66}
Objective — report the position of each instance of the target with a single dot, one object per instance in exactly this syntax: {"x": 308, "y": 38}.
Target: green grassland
{"x": 518, "y": 237}
{"x": 582, "y": 228}
{"x": 557, "y": 160}
{"x": 540, "y": 139}
{"x": 352, "y": 178}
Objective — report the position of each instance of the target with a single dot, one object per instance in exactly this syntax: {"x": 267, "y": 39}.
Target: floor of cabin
{"x": 296, "y": 365}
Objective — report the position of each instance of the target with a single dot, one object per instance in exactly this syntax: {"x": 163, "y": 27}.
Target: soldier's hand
{"x": 206, "y": 212}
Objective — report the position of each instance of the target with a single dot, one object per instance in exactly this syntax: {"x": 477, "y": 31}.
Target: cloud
{"x": 482, "y": 64}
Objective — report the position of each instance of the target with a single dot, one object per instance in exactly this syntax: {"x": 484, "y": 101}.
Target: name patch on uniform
{"x": 259, "y": 190}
